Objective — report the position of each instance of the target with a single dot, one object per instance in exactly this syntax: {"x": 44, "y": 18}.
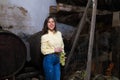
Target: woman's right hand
{"x": 58, "y": 49}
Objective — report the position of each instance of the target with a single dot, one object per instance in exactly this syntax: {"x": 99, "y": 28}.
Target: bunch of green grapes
{"x": 62, "y": 58}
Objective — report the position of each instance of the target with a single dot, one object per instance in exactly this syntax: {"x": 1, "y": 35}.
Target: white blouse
{"x": 51, "y": 41}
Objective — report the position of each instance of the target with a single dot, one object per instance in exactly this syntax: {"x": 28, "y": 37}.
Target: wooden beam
{"x": 78, "y": 9}
{"x": 69, "y": 8}
{"x": 80, "y": 26}
{"x": 116, "y": 19}
{"x": 91, "y": 40}
{"x": 53, "y": 9}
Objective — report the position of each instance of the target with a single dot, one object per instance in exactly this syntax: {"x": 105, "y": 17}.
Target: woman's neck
{"x": 51, "y": 31}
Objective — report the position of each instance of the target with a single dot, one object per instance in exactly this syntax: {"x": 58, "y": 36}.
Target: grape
{"x": 62, "y": 58}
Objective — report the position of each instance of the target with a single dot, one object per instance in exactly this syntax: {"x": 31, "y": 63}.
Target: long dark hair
{"x": 45, "y": 26}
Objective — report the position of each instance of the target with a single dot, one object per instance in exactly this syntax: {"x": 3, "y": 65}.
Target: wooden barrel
{"x": 35, "y": 52}
{"x": 12, "y": 54}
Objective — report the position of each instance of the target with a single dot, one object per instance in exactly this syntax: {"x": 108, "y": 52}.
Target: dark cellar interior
{"x": 105, "y": 56}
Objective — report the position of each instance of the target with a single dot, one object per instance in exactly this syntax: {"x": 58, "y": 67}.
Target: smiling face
{"x": 51, "y": 24}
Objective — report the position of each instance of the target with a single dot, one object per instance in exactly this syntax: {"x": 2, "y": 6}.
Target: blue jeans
{"x": 51, "y": 66}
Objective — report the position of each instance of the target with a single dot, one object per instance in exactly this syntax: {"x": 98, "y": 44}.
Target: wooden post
{"x": 80, "y": 26}
{"x": 91, "y": 40}
{"x": 116, "y": 19}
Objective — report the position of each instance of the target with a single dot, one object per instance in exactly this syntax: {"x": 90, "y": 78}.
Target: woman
{"x": 51, "y": 46}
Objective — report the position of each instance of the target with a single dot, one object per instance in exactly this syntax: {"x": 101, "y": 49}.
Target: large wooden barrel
{"x": 12, "y": 54}
{"x": 35, "y": 52}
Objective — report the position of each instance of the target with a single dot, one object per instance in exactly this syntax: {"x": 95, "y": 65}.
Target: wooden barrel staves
{"x": 12, "y": 54}
{"x": 35, "y": 52}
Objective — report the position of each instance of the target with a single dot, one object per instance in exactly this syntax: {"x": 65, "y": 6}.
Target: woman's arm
{"x": 45, "y": 48}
